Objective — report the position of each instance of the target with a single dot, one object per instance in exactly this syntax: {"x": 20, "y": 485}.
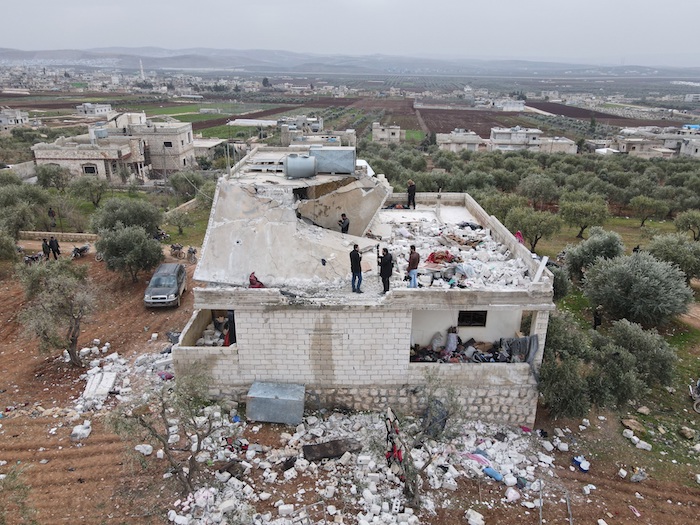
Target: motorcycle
{"x": 695, "y": 395}
{"x": 177, "y": 251}
{"x": 192, "y": 255}
{"x": 161, "y": 236}
{"x": 31, "y": 259}
{"x": 80, "y": 251}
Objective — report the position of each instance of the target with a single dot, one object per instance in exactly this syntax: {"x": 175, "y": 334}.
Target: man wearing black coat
{"x": 55, "y": 248}
{"x": 356, "y": 268}
{"x": 386, "y": 268}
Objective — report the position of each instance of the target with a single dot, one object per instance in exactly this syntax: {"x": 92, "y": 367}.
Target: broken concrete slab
{"x": 99, "y": 385}
{"x": 331, "y": 449}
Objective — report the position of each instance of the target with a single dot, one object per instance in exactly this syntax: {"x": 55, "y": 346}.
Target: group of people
{"x": 386, "y": 268}
{"x": 386, "y": 260}
{"x": 50, "y": 247}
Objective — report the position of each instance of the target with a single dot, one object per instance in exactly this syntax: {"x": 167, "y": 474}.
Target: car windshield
{"x": 163, "y": 282}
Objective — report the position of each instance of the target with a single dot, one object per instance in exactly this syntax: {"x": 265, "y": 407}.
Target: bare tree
{"x": 184, "y": 401}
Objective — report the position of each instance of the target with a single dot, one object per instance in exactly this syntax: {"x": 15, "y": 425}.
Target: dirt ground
{"x": 99, "y": 481}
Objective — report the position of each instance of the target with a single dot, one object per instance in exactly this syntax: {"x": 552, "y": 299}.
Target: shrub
{"x": 601, "y": 243}
{"x": 637, "y": 287}
{"x": 563, "y": 387}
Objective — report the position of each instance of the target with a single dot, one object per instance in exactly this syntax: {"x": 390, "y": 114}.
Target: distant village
{"x": 130, "y": 145}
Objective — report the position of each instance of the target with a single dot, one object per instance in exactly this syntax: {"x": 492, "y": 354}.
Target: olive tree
{"x": 59, "y": 298}
{"x": 128, "y": 212}
{"x": 539, "y": 188}
{"x": 637, "y": 287}
{"x": 499, "y": 204}
{"x": 179, "y": 218}
{"x": 53, "y": 176}
{"x": 677, "y": 249}
{"x": 534, "y": 225}
{"x": 89, "y": 188}
{"x": 185, "y": 183}
{"x": 646, "y": 207}
{"x": 689, "y": 221}
{"x": 581, "y": 210}
{"x": 129, "y": 250}
{"x": 600, "y": 243}
{"x": 655, "y": 359}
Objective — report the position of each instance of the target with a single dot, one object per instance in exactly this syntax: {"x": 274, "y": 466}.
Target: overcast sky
{"x": 644, "y": 32}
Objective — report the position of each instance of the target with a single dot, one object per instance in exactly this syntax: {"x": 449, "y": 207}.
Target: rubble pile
{"x": 460, "y": 255}
{"x": 360, "y": 485}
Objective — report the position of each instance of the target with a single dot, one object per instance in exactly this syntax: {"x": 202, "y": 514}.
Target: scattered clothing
{"x": 519, "y": 236}
{"x": 254, "y": 282}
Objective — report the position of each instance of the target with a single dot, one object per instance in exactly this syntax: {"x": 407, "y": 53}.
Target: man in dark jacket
{"x": 411, "y": 194}
{"x": 55, "y": 248}
{"x": 386, "y": 268}
{"x": 413, "y": 260}
{"x": 356, "y": 268}
{"x": 344, "y": 223}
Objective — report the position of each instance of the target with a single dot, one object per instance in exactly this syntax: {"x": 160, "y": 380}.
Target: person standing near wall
{"x": 356, "y": 268}
{"x": 386, "y": 268}
{"x": 45, "y": 248}
{"x": 411, "y": 194}
{"x": 55, "y": 248}
{"x": 344, "y": 223}
{"x": 413, "y": 260}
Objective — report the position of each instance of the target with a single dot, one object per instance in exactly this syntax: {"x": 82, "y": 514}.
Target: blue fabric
{"x": 356, "y": 281}
{"x": 413, "y": 274}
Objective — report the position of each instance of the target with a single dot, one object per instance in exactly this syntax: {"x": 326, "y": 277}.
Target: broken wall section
{"x": 359, "y": 199}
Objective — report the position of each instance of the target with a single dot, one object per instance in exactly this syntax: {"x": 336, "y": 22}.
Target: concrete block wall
{"x": 61, "y": 236}
{"x": 354, "y": 359}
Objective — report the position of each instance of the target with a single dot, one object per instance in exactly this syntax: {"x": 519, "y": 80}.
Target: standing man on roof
{"x": 386, "y": 268}
{"x": 344, "y": 223}
{"x": 411, "y": 194}
{"x": 413, "y": 260}
{"x": 356, "y": 268}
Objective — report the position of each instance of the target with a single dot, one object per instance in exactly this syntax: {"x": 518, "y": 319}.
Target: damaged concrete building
{"x": 276, "y": 216}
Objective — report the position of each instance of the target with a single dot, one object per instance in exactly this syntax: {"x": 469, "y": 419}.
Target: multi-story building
{"x": 390, "y": 134}
{"x": 459, "y": 140}
{"x": 145, "y": 150}
{"x": 9, "y": 118}
{"x": 276, "y": 216}
{"x": 516, "y": 138}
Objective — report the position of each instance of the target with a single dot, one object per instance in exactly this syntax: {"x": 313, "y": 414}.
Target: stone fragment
{"x": 286, "y": 510}
{"x": 144, "y": 449}
{"x": 643, "y": 445}
{"x": 474, "y": 518}
{"x": 622, "y": 473}
{"x": 687, "y": 433}
{"x": 634, "y": 425}
{"x": 644, "y": 410}
{"x": 547, "y": 446}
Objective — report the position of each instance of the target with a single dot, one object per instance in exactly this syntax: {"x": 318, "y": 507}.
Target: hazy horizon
{"x": 599, "y": 32}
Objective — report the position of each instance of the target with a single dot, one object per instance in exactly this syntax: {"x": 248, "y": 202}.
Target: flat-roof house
{"x": 276, "y": 216}
{"x": 459, "y": 140}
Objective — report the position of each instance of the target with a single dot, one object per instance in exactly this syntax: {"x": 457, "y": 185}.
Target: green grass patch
{"x": 229, "y": 131}
{"x": 193, "y": 235}
{"x": 414, "y": 135}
